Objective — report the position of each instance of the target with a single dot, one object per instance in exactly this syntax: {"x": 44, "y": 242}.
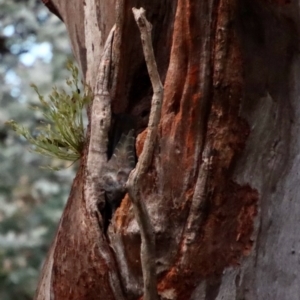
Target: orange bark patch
{"x": 227, "y": 232}
{"x": 229, "y": 209}
{"x": 121, "y": 217}
{"x": 140, "y": 140}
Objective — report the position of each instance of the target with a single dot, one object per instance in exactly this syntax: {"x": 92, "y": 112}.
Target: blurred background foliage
{"x": 34, "y": 48}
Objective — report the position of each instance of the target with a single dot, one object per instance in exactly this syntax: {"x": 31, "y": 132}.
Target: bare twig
{"x": 158, "y": 90}
{"x": 136, "y": 176}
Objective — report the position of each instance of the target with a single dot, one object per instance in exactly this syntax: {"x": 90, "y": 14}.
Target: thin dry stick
{"x": 136, "y": 176}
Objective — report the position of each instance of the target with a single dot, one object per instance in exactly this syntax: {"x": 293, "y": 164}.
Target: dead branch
{"x": 97, "y": 157}
{"x": 133, "y": 185}
{"x": 100, "y": 122}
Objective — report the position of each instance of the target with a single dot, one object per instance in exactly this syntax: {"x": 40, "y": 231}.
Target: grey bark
{"x": 270, "y": 161}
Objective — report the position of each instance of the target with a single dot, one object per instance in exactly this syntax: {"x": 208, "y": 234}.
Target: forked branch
{"x": 138, "y": 174}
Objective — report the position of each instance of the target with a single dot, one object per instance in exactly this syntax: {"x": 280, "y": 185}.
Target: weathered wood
{"x": 135, "y": 180}
{"x": 222, "y": 188}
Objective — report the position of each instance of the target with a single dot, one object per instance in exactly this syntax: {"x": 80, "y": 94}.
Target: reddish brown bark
{"x": 202, "y": 52}
{"x": 227, "y": 222}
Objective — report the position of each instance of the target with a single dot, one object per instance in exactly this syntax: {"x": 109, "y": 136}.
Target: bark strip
{"x": 199, "y": 200}
{"x": 116, "y": 48}
{"x": 100, "y": 122}
{"x": 97, "y": 158}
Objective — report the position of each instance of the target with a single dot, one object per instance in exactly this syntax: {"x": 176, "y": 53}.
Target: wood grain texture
{"x": 222, "y": 189}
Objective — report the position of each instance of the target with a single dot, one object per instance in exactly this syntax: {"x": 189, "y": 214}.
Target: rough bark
{"x": 222, "y": 188}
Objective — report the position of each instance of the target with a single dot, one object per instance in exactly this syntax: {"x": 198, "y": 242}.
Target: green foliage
{"x": 62, "y": 134}
{"x": 34, "y": 45}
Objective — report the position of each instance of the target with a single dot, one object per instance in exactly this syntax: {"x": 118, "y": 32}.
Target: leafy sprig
{"x": 62, "y": 133}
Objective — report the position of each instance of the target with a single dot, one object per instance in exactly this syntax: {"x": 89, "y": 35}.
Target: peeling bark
{"x": 222, "y": 187}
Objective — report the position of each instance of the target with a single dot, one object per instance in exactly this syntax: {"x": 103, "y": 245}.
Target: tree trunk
{"x": 222, "y": 188}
